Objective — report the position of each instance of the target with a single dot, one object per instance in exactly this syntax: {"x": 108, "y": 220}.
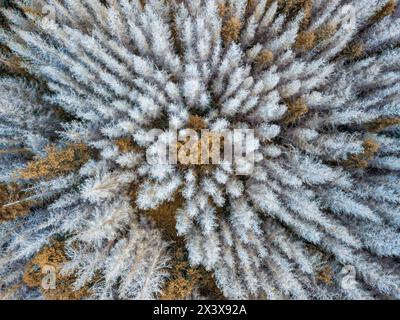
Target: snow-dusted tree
{"x": 318, "y": 81}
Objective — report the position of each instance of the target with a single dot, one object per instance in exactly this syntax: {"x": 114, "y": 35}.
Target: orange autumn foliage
{"x": 52, "y": 255}
{"x": 296, "y": 109}
{"x": 305, "y": 41}
{"x": 126, "y": 144}
{"x": 12, "y": 203}
{"x": 382, "y": 124}
{"x": 56, "y": 163}
{"x": 293, "y": 7}
{"x": 388, "y": 9}
{"x": 361, "y": 160}
{"x": 184, "y": 280}
{"x": 325, "y": 275}
{"x": 231, "y": 30}
{"x": 264, "y": 59}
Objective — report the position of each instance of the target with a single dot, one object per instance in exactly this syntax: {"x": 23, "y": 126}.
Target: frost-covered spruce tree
{"x": 318, "y": 81}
